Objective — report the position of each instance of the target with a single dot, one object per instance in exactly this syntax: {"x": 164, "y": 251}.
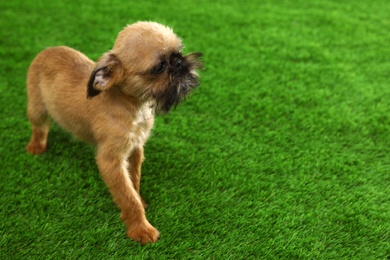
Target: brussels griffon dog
{"x": 111, "y": 104}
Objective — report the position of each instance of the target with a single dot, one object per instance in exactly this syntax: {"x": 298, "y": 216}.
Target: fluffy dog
{"x": 111, "y": 104}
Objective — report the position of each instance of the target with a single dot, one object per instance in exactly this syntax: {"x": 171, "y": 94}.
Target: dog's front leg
{"x": 135, "y": 161}
{"x": 113, "y": 168}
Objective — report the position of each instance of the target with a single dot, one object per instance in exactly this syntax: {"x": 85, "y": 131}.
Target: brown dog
{"x": 111, "y": 104}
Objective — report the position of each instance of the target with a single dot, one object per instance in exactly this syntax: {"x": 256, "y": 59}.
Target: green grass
{"x": 282, "y": 153}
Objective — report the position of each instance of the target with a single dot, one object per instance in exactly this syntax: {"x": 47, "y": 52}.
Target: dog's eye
{"x": 160, "y": 68}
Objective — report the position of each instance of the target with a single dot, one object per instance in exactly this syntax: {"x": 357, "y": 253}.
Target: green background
{"x": 281, "y": 153}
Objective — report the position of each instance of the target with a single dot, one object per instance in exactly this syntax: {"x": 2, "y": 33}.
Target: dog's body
{"x": 111, "y": 104}
{"x": 57, "y": 81}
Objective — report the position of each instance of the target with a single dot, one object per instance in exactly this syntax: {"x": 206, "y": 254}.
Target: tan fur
{"x": 118, "y": 120}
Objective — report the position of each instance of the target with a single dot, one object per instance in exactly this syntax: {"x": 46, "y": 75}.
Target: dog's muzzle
{"x": 183, "y": 79}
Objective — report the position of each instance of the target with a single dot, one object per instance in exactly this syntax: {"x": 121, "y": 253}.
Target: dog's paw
{"x": 143, "y": 233}
{"x": 35, "y": 148}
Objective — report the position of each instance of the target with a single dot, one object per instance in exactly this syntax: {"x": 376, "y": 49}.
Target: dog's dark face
{"x": 179, "y": 75}
{"x": 147, "y": 63}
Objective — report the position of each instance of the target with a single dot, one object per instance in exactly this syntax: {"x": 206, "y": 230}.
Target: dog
{"x": 112, "y": 104}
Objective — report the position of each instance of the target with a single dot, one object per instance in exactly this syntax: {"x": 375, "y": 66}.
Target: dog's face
{"x": 146, "y": 63}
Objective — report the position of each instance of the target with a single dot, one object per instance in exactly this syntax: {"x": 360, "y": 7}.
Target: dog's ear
{"x": 107, "y": 73}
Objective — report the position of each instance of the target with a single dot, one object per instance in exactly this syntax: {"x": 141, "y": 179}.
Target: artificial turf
{"x": 281, "y": 153}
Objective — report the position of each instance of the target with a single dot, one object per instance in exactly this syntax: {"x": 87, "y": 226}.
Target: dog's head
{"x": 146, "y": 63}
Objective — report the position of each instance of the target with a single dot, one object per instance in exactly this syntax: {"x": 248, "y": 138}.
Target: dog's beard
{"x": 176, "y": 91}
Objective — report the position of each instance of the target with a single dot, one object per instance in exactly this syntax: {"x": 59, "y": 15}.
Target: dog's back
{"x": 59, "y": 67}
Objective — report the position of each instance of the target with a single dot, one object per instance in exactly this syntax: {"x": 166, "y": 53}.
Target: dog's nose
{"x": 178, "y": 63}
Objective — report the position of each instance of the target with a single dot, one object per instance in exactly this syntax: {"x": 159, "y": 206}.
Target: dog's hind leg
{"x": 38, "y": 116}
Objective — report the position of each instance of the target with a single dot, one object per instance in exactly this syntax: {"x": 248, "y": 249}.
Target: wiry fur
{"x": 111, "y": 104}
